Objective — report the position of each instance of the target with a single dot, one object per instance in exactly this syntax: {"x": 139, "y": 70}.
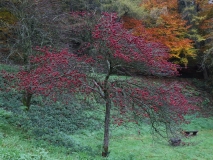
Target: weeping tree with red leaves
{"x": 113, "y": 50}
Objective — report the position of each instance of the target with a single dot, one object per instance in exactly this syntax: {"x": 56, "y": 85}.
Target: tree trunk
{"x": 205, "y": 73}
{"x": 105, "y": 151}
{"x": 26, "y": 100}
{"x": 107, "y": 99}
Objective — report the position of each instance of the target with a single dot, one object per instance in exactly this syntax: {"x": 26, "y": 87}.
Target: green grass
{"x": 8, "y": 68}
{"x": 125, "y": 144}
{"x": 15, "y": 145}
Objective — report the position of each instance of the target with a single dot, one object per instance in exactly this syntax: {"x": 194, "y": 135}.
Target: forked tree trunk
{"x": 105, "y": 151}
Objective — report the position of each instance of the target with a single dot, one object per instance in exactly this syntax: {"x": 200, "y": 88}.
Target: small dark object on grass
{"x": 175, "y": 141}
{"x": 105, "y": 154}
{"x": 192, "y": 133}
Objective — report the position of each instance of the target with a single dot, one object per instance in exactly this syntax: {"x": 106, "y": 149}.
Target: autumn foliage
{"x": 164, "y": 25}
{"x": 126, "y": 48}
{"x": 114, "y": 47}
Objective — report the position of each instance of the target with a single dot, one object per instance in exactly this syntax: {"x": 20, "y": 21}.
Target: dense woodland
{"x": 77, "y": 69}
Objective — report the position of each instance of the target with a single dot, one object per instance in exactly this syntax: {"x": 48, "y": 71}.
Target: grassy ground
{"x": 125, "y": 144}
{"x": 15, "y": 145}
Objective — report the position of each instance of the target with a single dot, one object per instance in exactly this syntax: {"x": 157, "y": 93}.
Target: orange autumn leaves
{"x": 165, "y": 25}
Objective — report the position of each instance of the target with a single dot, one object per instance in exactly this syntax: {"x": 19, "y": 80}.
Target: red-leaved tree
{"x": 114, "y": 50}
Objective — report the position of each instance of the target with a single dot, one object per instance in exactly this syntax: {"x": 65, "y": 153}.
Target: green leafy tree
{"x": 7, "y": 21}
{"x": 198, "y": 14}
{"x": 125, "y": 7}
